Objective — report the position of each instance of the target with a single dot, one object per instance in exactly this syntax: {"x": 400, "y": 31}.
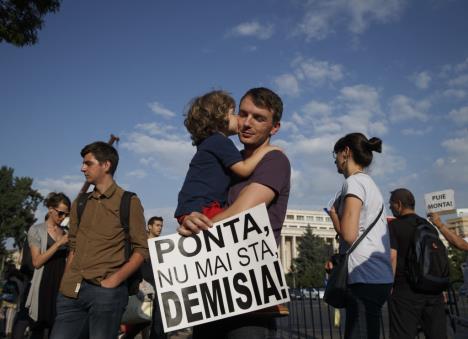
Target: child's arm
{"x": 246, "y": 167}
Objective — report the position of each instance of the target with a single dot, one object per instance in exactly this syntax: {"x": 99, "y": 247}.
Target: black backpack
{"x": 427, "y": 263}
{"x": 134, "y": 280}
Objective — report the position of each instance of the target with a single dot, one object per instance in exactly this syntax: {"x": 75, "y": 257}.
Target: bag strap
{"x": 124, "y": 216}
{"x": 82, "y": 200}
{"x": 125, "y": 220}
{"x": 354, "y": 245}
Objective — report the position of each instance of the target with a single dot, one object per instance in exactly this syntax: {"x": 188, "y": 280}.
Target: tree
{"x": 456, "y": 258}
{"x": 20, "y": 20}
{"x": 308, "y": 268}
{"x": 18, "y": 202}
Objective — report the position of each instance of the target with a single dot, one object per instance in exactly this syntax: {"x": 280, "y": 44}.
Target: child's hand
{"x": 193, "y": 224}
{"x": 274, "y": 148}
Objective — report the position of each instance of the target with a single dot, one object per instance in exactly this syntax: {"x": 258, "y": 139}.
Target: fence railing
{"x": 310, "y": 317}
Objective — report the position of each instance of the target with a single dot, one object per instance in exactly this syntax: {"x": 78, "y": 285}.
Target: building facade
{"x": 294, "y": 227}
{"x": 459, "y": 224}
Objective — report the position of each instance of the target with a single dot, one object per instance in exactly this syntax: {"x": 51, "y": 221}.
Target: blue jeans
{"x": 364, "y": 310}
{"x": 97, "y": 312}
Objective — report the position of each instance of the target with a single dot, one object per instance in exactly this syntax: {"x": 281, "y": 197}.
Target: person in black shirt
{"x": 409, "y": 308}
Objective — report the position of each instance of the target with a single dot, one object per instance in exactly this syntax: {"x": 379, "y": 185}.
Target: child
{"x": 210, "y": 120}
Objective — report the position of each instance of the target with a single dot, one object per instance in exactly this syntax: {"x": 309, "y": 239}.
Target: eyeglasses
{"x": 61, "y": 213}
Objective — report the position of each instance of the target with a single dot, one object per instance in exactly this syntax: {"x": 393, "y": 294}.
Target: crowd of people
{"x": 82, "y": 278}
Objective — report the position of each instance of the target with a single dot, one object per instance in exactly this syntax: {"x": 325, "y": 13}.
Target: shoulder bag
{"x": 335, "y": 291}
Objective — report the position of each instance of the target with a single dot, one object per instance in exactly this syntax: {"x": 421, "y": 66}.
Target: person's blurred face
{"x": 155, "y": 228}
{"x": 57, "y": 214}
{"x": 255, "y": 124}
{"x": 94, "y": 171}
{"x": 233, "y": 127}
{"x": 395, "y": 207}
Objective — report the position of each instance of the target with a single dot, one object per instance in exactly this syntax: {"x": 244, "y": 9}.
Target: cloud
{"x": 159, "y": 129}
{"x": 463, "y": 66}
{"x": 160, "y": 110}
{"x": 421, "y": 80}
{"x": 308, "y": 72}
{"x": 416, "y": 132}
{"x": 287, "y": 84}
{"x": 138, "y": 173}
{"x": 252, "y": 29}
{"x": 452, "y": 167}
{"x": 321, "y": 17}
{"x": 171, "y": 155}
{"x": 70, "y": 185}
{"x": 403, "y": 108}
{"x": 317, "y": 70}
{"x": 459, "y": 116}
{"x": 461, "y": 80}
{"x": 454, "y": 93}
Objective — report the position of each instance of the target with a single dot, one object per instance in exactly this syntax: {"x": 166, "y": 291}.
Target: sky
{"x": 393, "y": 69}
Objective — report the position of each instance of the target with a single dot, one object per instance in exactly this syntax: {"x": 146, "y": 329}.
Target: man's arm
{"x": 250, "y": 196}
{"x": 448, "y": 234}
{"x": 393, "y": 258}
{"x": 124, "y": 272}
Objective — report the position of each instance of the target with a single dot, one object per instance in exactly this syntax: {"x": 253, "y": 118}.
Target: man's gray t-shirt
{"x": 273, "y": 171}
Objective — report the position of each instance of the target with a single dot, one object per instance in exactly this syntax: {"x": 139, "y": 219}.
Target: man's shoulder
{"x": 405, "y": 223}
{"x": 277, "y": 158}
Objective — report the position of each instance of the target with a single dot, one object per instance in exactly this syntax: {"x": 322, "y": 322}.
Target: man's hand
{"x": 193, "y": 224}
{"x": 111, "y": 282}
{"x": 435, "y": 219}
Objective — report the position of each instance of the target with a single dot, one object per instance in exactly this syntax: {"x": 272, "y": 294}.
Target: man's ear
{"x": 107, "y": 165}
{"x": 275, "y": 128}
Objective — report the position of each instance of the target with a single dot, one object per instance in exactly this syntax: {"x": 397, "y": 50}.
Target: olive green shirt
{"x": 99, "y": 241}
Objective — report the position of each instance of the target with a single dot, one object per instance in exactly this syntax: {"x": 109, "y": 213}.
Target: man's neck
{"x": 407, "y": 211}
{"x": 251, "y": 149}
{"x": 104, "y": 184}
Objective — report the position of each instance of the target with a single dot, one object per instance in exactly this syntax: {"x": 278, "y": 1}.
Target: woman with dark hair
{"x": 47, "y": 242}
{"x": 370, "y": 274}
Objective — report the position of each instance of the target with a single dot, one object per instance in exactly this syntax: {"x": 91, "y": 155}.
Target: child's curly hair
{"x": 207, "y": 114}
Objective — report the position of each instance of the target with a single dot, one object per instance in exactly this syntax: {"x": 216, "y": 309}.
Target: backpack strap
{"x": 125, "y": 220}
{"x": 82, "y": 200}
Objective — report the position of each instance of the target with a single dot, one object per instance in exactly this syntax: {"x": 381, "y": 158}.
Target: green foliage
{"x": 456, "y": 258}
{"x": 20, "y": 20}
{"x": 308, "y": 268}
{"x": 18, "y": 202}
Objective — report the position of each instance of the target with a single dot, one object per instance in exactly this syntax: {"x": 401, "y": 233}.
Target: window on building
{"x": 289, "y": 217}
{"x": 319, "y": 218}
{"x": 299, "y": 217}
{"x": 309, "y": 217}
{"x": 327, "y": 219}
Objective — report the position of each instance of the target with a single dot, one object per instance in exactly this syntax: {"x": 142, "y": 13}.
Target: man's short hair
{"x": 265, "y": 98}
{"x": 103, "y": 152}
{"x": 404, "y": 196}
{"x": 153, "y": 219}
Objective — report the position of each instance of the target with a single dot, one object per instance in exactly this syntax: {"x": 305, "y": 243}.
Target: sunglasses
{"x": 61, "y": 213}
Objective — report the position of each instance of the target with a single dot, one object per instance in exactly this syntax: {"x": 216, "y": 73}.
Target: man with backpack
{"x": 420, "y": 264}
{"x": 104, "y": 252}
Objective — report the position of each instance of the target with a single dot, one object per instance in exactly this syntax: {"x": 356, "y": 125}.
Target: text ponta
{"x": 231, "y": 269}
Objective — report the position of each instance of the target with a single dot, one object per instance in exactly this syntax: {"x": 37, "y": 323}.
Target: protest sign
{"x": 233, "y": 268}
{"x": 442, "y": 202}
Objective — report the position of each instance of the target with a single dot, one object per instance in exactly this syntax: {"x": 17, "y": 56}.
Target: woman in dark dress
{"x": 47, "y": 242}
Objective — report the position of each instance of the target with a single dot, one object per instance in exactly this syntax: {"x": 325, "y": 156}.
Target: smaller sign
{"x": 442, "y": 202}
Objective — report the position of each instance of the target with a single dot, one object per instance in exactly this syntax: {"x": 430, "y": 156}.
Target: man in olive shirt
{"x": 93, "y": 293}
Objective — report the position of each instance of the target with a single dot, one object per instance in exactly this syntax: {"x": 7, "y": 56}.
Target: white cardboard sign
{"x": 231, "y": 269}
{"x": 440, "y": 201}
